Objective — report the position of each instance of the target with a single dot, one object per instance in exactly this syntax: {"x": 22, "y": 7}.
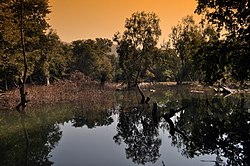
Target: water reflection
{"x": 92, "y": 118}
{"x": 208, "y": 126}
{"x": 29, "y": 146}
{"x": 216, "y": 126}
{"x": 138, "y": 131}
{"x": 28, "y": 139}
{"x": 213, "y": 126}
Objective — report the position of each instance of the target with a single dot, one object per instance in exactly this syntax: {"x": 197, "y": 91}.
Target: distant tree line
{"x": 216, "y": 49}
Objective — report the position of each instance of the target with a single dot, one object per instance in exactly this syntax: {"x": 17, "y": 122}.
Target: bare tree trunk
{"x": 47, "y": 81}
{"x": 22, "y": 80}
{"x": 143, "y": 99}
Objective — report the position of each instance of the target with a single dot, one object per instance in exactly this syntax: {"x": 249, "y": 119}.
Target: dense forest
{"x": 214, "y": 49}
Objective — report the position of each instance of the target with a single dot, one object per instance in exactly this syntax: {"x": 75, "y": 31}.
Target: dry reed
{"x": 78, "y": 89}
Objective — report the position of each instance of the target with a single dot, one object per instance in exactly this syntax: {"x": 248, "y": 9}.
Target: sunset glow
{"x": 89, "y": 19}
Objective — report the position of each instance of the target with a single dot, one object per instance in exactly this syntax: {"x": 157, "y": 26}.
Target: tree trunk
{"x": 22, "y": 80}
{"x": 47, "y": 81}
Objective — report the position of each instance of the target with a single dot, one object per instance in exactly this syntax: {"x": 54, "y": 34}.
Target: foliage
{"x": 137, "y": 44}
{"x": 167, "y": 64}
{"x": 233, "y": 16}
{"x": 194, "y": 52}
{"x": 35, "y": 24}
{"x": 51, "y": 61}
{"x": 93, "y": 58}
{"x": 210, "y": 60}
{"x": 185, "y": 38}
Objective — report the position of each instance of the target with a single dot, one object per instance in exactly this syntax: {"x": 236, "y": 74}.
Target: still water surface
{"x": 210, "y": 130}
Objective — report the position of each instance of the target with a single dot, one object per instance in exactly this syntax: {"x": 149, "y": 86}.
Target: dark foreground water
{"x": 211, "y": 130}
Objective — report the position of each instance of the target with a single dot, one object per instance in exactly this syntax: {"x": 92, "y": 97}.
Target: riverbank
{"x": 87, "y": 92}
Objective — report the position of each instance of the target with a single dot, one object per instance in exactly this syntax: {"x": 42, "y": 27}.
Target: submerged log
{"x": 224, "y": 90}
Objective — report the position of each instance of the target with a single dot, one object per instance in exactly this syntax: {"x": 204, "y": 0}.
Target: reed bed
{"x": 77, "y": 89}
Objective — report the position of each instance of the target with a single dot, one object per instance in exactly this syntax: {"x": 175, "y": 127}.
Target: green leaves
{"x": 137, "y": 44}
{"x": 185, "y": 38}
{"x": 35, "y": 27}
{"x": 93, "y": 58}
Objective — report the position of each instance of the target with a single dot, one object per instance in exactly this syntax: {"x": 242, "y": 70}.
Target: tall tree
{"x": 9, "y": 39}
{"x": 52, "y": 62}
{"x": 137, "y": 44}
{"x": 233, "y": 16}
{"x": 168, "y": 63}
{"x": 22, "y": 81}
{"x": 35, "y": 26}
{"x": 210, "y": 60}
{"x": 185, "y": 37}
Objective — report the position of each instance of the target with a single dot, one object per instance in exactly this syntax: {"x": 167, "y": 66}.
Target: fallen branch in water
{"x": 143, "y": 100}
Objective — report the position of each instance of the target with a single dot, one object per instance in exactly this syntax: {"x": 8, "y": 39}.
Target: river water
{"x": 205, "y": 130}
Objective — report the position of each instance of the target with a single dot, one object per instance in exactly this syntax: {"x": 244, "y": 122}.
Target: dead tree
{"x": 143, "y": 99}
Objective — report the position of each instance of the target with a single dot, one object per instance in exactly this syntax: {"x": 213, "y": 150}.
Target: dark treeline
{"x": 195, "y": 52}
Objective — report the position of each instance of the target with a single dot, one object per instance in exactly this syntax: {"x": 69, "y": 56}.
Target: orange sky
{"x": 89, "y": 19}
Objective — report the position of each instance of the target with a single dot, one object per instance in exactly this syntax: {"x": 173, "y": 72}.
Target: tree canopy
{"x": 137, "y": 44}
{"x": 233, "y": 16}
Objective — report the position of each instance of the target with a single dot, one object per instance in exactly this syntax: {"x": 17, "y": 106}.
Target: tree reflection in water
{"x": 29, "y": 145}
{"x": 92, "y": 118}
{"x": 138, "y": 131}
{"x": 208, "y": 126}
{"x": 216, "y": 126}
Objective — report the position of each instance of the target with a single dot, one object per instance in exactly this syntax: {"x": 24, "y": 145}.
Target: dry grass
{"x": 78, "y": 89}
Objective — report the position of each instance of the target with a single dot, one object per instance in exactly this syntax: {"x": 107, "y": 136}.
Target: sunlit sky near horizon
{"x": 90, "y": 19}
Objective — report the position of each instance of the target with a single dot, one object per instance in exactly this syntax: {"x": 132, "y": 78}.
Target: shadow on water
{"x": 198, "y": 125}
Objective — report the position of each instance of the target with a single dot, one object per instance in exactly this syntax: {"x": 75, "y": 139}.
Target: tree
{"x": 52, "y": 60}
{"x": 233, "y": 16}
{"x": 22, "y": 81}
{"x": 210, "y": 59}
{"x": 185, "y": 37}
{"x": 137, "y": 44}
{"x": 9, "y": 39}
{"x": 93, "y": 58}
{"x": 35, "y": 26}
{"x": 170, "y": 63}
